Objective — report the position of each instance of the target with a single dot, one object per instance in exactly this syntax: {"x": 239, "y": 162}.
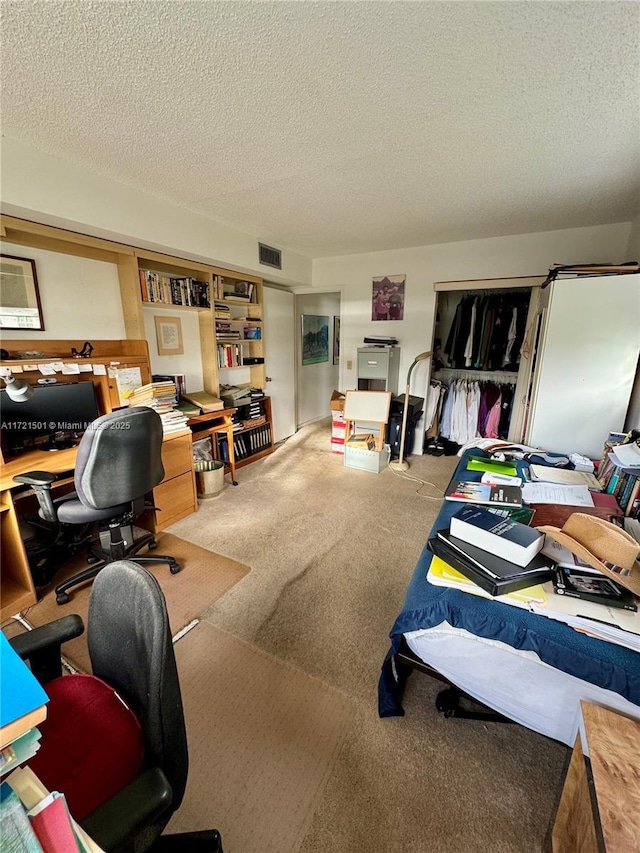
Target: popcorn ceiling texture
{"x": 340, "y": 127}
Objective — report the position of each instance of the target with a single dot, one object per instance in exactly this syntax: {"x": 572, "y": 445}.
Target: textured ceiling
{"x": 338, "y": 127}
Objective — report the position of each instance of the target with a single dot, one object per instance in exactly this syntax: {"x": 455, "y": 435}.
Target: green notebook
{"x": 495, "y": 466}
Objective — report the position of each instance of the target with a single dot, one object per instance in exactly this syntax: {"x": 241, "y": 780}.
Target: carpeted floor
{"x": 331, "y": 552}
{"x": 263, "y": 737}
{"x": 205, "y": 576}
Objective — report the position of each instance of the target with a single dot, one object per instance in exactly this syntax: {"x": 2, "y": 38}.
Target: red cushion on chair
{"x": 91, "y": 743}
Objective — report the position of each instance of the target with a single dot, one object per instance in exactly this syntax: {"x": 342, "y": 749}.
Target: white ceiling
{"x": 338, "y": 127}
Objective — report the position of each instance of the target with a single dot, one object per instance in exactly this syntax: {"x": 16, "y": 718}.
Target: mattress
{"x": 516, "y": 683}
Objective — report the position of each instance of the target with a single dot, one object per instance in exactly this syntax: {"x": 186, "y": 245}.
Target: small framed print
{"x": 169, "y": 335}
{"x": 20, "y": 306}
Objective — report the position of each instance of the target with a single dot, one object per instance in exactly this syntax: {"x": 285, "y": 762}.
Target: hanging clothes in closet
{"x": 487, "y": 331}
{"x": 474, "y": 408}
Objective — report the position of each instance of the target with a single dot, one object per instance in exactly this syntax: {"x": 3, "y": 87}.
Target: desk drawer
{"x": 373, "y": 365}
{"x": 177, "y": 457}
{"x": 175, "y": 499}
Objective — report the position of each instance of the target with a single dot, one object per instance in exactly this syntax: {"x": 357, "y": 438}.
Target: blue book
{"x": 503, "y": 537}
{"x": 20, "y": 691}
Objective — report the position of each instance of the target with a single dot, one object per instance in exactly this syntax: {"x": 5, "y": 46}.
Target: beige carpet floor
{"x": 204, "y": 577}
{"x": 263, "y": 737}
{"x": 331, "y": 552}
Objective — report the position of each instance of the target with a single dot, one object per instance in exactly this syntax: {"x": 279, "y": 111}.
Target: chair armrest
{"x": 41, "y": 646}
{"x": 41, "y": 482}
{"x": 138, "y": 805}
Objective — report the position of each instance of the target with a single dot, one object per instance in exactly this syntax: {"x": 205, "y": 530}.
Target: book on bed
{"x": 484, "y": 493}
{"x": 494, "y": 574}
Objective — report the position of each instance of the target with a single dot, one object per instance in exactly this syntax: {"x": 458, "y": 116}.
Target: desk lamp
{"x": 402, "y": 464}
{"x": 17, "y": 389}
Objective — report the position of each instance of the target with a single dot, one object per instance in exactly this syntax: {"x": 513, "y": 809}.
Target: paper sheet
{"x": 551, "y": 493}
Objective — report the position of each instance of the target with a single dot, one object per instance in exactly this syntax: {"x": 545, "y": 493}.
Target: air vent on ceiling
{"x": 270, "y": 256}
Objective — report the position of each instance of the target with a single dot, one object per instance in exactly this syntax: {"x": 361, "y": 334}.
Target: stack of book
{"x": 235, "y": 395}
{"x": 160, "y": 396}
{"x": 173, "y": 421}
{"x": 619, "y": 473}
{"x": 200, "y": 403}
{"x": 498, "y": 554}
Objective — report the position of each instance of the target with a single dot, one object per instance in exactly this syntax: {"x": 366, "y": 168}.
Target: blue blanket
{"x": 603, "y": 664}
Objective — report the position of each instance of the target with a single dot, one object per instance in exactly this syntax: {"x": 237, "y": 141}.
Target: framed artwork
{"x": 315, "y": 338}
{"x": 336, "y": 339}
{"x": 387, "y": 299}
{"x": 169, "y": 335}
{"x": 20, "y": 306}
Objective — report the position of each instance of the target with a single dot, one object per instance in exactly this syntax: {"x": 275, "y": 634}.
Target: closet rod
{"x": 503, "y": 377}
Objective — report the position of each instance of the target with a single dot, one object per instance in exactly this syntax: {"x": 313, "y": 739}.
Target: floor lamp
{"x": 402, "y": 464}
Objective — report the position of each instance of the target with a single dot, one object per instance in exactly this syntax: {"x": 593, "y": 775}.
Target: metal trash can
{"x": 209, "y": 478}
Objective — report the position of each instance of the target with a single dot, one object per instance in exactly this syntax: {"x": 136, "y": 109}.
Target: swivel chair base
{"x": 118, "y": 551}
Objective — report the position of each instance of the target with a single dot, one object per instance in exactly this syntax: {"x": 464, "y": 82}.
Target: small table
{"x": 599, "y": 807}
{"x": 212, "y": 423}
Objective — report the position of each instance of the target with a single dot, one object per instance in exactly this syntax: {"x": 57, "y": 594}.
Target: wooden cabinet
{"x": 598, "y": 811}
{"x": 176, "y": 496}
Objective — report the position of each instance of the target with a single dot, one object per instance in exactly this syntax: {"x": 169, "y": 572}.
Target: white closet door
{"x": 280, "y": 360}
{"x": 587, "y": 363}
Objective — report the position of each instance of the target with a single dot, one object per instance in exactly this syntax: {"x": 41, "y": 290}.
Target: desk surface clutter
{"x": 532, "y": 668}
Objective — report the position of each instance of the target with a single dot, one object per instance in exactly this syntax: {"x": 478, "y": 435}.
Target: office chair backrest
{"x": 130, "y": 647}
{"x": 119, "y": 458}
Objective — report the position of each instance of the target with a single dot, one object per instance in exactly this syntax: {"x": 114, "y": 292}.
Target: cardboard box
{"x": 336, "y": 403}
{"x": 337, "y": 445}
{"x": 338, "y": 429}
{"x": 367, "y": 460}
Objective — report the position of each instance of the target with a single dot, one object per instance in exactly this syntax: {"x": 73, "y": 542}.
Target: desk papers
{"x": 552, "y": 493}
{"x": 564, "y": 477}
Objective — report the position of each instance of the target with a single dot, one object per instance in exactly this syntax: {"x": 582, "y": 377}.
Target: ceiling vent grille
{"x": 270, "y": 256}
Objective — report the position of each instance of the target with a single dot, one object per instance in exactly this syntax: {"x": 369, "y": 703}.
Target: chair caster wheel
{"x": 92, "y": 559}
{"x": 174, "y": 568}
{"x": 234, "y": 482}
{"x": 62, "y": 598}
{"x": 152, "y": 545}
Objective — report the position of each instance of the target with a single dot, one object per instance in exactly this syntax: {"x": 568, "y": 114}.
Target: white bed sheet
{"x": 517, "y": 684}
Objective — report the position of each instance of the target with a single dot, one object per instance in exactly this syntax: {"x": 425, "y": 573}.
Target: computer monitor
{"x": 61, "y": 412}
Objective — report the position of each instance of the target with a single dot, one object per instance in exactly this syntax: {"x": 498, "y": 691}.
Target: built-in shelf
{"x": 172, "y": 306}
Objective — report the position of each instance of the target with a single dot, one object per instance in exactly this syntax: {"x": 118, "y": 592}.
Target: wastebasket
{"x": 209, "y": 478}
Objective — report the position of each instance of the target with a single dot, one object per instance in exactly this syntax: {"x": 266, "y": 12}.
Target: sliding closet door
{"x": 586, "y": 364}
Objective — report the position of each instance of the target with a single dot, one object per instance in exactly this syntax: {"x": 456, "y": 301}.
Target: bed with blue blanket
{"x": 524, "y": 666}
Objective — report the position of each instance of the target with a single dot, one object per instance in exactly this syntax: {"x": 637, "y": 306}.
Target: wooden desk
{"x": 175, "y": 498}
{"x": 599, "y": 810}
{"x": 212, "y": 423}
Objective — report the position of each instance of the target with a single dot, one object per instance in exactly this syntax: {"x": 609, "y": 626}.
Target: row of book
{"x": 173, "y": 290}
{"x": 246, "y": 444}
{"x": 619, "y": 472}
{"x": 229, "y": 355}
{"x": 234, "y": 290}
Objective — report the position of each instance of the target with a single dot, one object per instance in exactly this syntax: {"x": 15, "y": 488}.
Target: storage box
{"x": 337, "y": 445}
{"x": 336, "y": 403}
{"x": 367, "y": 460}
{"x": 338, "y": 429}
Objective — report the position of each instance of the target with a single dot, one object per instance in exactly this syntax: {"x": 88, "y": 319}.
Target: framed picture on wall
{"x": 315, "y": 339}
{"x": 387, "y": 298}
{"x": 336, "y": 340}
{"x": 168, "y": 335}
{"x": 20, "y": 306}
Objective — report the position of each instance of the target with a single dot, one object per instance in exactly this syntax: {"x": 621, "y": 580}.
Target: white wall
{"x": 521, "y": 255}
{"x": 315, "y": 382}
{"x": 633, "y": 254}
{"x": 80, "y": 297}
{"x": 47, "y": 189}
{"x": 190, "y": 362}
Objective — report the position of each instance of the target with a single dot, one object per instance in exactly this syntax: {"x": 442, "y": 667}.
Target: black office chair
{"x": 119, "y": 461}
{"x": 130, "y": 648}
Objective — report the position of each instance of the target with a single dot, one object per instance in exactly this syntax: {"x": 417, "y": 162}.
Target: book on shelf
{"x": 493, "y": 574}
{"x": 504, "y": 537}
{"x": 591, "y": 585}
{"x": 484, "y": 493}
{"x": 22, "y": 698}
{"x": 52, "y": 825}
